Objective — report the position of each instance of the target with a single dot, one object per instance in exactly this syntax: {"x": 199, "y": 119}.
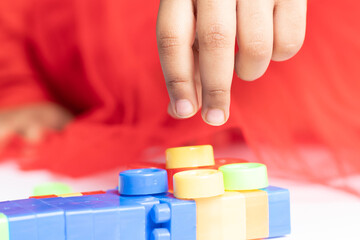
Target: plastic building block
{"x": 245, "y": 176}
{"x": 22, "y": 221}
{"x": 193, "y": 156}
{"x": 182, "y": 221}
{"x": 222, "y": 217}
{"x": 51, "y": 189}
{"x": 70, "y": 195}
{"x": 166, "y": 216}
{"x": 115, "y": 221}
{"x": 160, "y": 213}
{"x": 44, "y": 196}
{"x": 50, "y": 220}
{"x": 172, "y": 172}
{"x": 279, "y": 211}
{"x": 101, "y": 216}
{"x": 107, "y": 197}
{"x": 4, "y": 227}
{"x": 93, "y": 193}
{"x": 218, "y": 163}
{"x": 160, "y": 234}
{"x": 143, "y": 181}
{"x": 198, "y": 184}
{"x": 148, "y": 202}
{"x": 140, "y": 208}
{"x": 257, "y": 214}
{"x": 78, "y": 217}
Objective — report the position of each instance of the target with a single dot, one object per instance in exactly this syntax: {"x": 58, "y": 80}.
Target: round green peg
{"x": 51, "y": 188}
{"x": 244, "y": 176}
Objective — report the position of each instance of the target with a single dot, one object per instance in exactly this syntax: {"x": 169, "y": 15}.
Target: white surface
{"x": 318, "y": 212}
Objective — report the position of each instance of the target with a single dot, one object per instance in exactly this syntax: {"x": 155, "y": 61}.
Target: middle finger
{"x": 216, "y": 27}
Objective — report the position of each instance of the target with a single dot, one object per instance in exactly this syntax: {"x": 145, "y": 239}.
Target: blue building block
{"x": 148, "y": 202}
{"x": 78, "y": 217}
{"x": 143, "y": 181}
{"x": 181, "y": 222}
{"x": 107, "y": 196}
{"x": 160, "y": 234}
{"x": 115, "y": 221}
{"x": 50, "y": 220}
{"x": 166, "y": 217}
{"x": 22, "y": 221}
{"x": 279, "y": 211}
{"x": 101, "y": 217}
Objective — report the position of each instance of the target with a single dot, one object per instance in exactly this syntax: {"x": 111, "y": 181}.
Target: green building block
{"x": 4, "y": 227}
{"x": 244, "y": 176}
{"x": 51, "y": 188}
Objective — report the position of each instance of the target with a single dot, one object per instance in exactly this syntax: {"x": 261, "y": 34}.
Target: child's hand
{"x": 196, "y": 42}
{"x": 31, "y": 121}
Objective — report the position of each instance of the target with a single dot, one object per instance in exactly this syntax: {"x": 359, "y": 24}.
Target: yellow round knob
{"x": 202, "y": 183}
{"x": 192, "y": 156}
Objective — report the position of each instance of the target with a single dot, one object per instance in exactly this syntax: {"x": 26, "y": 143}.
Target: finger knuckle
{"x": 168, "y": 42}
{"x": 218, "y": 92}
{"x": 257, "y": 49}
{"x": 216, "y": 37}
{"x": 174, "y": 83}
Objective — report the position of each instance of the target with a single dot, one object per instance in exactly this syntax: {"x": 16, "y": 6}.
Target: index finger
{"x": 175, "y": 37}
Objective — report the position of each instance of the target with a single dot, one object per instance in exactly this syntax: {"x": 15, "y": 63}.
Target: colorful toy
{"x": 210, "y": 204}
{"x": 52, "y": 188}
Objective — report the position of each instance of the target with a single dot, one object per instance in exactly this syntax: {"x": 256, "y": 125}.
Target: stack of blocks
{"x": 232, "y": 203}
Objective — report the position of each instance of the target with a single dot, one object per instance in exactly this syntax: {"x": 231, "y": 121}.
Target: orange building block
{"x": 93, "y": 193}
{"x": 44, "y": 196}
{"x": 222, "y": 217}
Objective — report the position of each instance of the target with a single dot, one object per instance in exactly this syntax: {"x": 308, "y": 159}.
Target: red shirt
{"x": 99, "y": 59}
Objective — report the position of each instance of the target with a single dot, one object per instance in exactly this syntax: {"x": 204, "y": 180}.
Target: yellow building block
{"x": 70, "y": 195}
{"x": 201, "y": 183}
{"x": 257, "y": 214}
{"x": 221, "y": 217}
{"x": 191, "y": 156}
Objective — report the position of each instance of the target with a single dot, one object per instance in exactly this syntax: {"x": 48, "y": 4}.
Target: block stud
{"x": 200, "y": 183}
{"x": 143, "y": 181}
{"x": 160, "y": 234}
{"x": 244, "y": 176}
{"x": 160, "y": 213}
{"x": 192, "y": 156}
{"x": 51, "y": 188}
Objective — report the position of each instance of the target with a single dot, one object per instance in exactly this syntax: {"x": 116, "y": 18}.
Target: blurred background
{"x": 82, "y": 95}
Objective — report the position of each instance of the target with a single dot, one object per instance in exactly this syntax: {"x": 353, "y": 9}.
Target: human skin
{"x": 32, "y": 120}
{"x": 196, "y": 43}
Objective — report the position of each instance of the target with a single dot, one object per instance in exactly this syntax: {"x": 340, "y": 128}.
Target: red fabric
{"x": 99, "y": 59}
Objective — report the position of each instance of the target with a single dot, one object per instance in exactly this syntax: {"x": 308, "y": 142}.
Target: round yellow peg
{"x": 192, "y": 156}
{"x": 202, "y": 183}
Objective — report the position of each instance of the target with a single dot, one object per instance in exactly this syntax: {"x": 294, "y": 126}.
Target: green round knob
{"x": 244, "y": 176}
{"x": 51, "y": 188}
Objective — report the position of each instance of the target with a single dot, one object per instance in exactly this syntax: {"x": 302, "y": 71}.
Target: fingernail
{"x": 215, "y": 117}
{"x": 184, "y": 108}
